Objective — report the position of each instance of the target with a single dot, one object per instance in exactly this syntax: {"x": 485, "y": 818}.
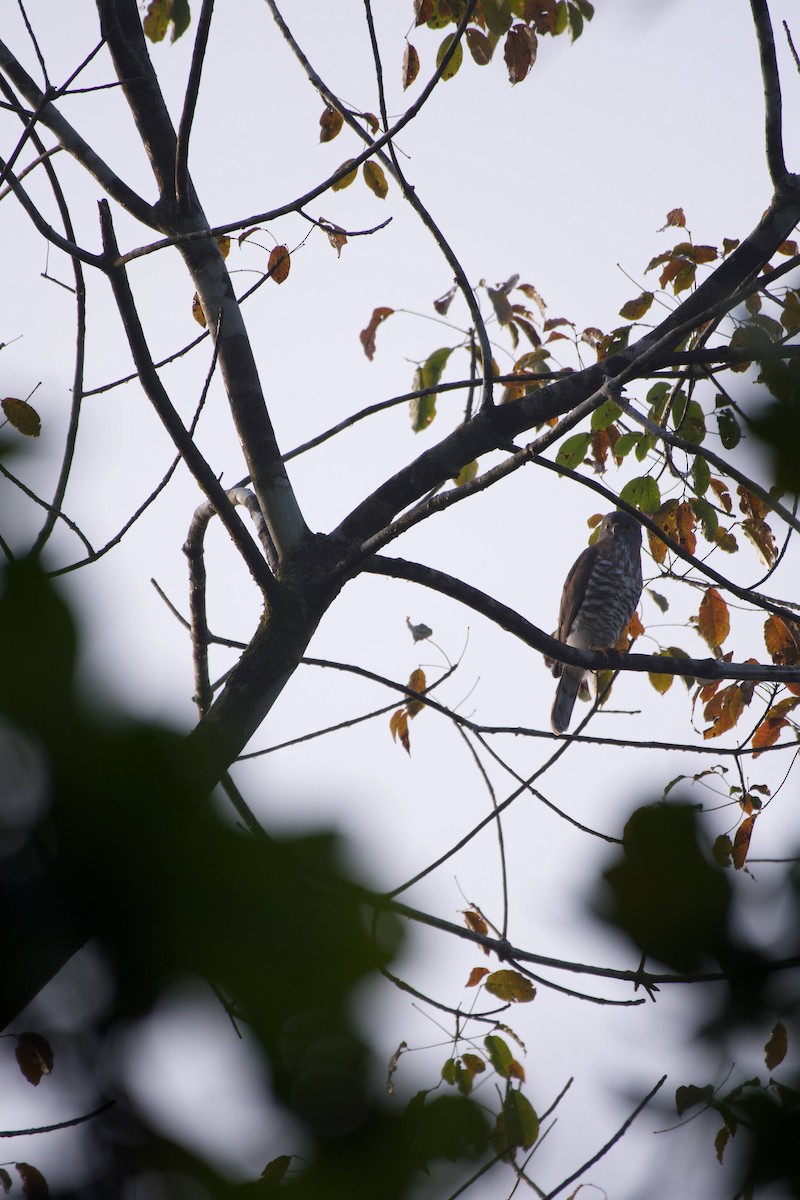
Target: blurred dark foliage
{"x": 667, "y": 894}
{"x": 128, "y": 850}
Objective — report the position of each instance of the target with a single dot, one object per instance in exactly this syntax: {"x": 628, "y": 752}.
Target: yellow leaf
{"x": 662, "y": 683}
{"x": 197, "y": 311}
{"x": 466, "y": 474}
{"x": 417, "y": 683}
{"x": 634, "y": 310}
{"x": 22, "y": 416}
{"x": 156, "y": 20}
{"x": 375, "y": 179}
{"x": 224, "y": 243}
{"x": 347, "y": 179}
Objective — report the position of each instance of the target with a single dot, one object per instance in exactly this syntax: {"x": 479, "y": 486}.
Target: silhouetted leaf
{"x": 34, "y": 1055}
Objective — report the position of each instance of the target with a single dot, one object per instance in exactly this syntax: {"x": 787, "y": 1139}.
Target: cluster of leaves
{"x": 769, "y": 1111}
{"x": 517, "y": 23}
{"x": 279, "y": 264}
{"x": 516, "y": 1124}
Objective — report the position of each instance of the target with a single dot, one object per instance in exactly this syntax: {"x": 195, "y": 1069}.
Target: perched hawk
{"x": 599, "y": 598}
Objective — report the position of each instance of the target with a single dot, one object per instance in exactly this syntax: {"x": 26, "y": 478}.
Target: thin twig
{"x": 610, "y": 1143}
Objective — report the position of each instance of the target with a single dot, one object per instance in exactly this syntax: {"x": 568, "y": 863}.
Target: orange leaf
{"x": 782, "y": 640}
{"x": 398, "y": 726}
{"x": 475, "y": 922}
{"x": 279, "y": 263}
{"x": 713, "y": 619}
{"x": 367, "y": 335}
{"x": 686, "y": 522}
{"x": 675, "y": 217}
{"x": 770, "y": 728}
{"x": 741, "y": 843}
{"x": 724, "y": 710}
{"x": 476, "y": 975}
{"x": 330, "y": 124}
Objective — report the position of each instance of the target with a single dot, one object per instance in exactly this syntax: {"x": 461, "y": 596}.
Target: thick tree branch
{"x": 181, "y": 437}
{"x": 288, "y": 530}
{"x": 493, "y": 428}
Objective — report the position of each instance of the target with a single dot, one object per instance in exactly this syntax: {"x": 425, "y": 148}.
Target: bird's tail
{"x": 566, "y": 694}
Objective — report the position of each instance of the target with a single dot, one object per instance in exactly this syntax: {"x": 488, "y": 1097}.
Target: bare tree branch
{"x": 182, "y": 196}
{"x": 772, "y": 93}
{"x": 531, "y": 635}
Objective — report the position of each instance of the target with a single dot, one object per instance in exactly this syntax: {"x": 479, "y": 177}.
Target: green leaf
{"x": 657, "y": 399}
{"x": 692, "y": 427}
{"x": 431, "y": 370}
{"x": 500, "y": 1055}
{"x": 605, "y": 415}
{"x": 701, "y": 475}
{"x": 625, "y": 443}
{"x": 729, "y": 432}
{"x": 573, "y": 451}
{"x": 575, "y": 23}
{"x": 707, "y": 517}
{"x": 644, "y": 444}
{"x": 449, "y": 1071}
{"x": 423, "y": 408}
{"x": 455, "y": 62}
{"x": 517, "y": 1125}
{"x": 498, "y": 17}
{"x": 511, "y": 986}
{"x": 642, "y": 493}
